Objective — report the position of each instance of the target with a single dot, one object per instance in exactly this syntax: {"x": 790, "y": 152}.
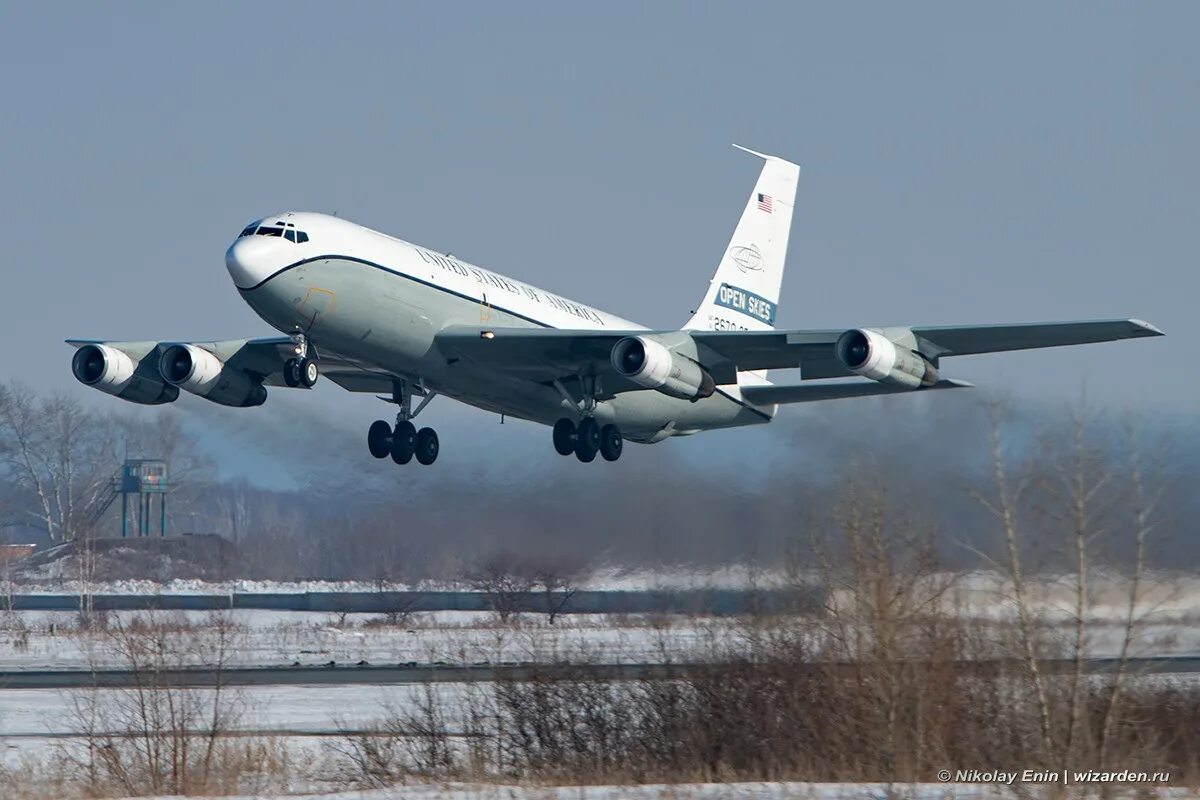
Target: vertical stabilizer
{"x": 744, "y": 293}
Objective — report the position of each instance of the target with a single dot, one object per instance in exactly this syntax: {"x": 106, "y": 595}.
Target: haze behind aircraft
{"x": 377, "y": 314}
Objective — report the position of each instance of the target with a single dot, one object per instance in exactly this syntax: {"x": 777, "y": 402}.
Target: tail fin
{"x": 744, "y": 293}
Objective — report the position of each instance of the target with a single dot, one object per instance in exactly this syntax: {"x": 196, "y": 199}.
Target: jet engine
{"x": 112, "y": 371}
{"x": 649, "y": 363}
{"x": 873, "y": 355}
{"x": 198, "y": 371}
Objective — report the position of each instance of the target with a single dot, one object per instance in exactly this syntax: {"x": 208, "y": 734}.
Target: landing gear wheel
{"x": 427, "y": 446}
{"x": 291, "y": 372}
{"x": 379, "y": 439}
{"x": 404, "y": 442}
{"x": 564, "y": 437}
{"x": 308, "y": 372}
{"x": 611, "y": 443}
{"x": 587, "y": 440}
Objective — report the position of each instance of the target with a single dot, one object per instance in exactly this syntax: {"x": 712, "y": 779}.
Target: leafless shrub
{"x": 419, "y": 739}
{"x": 400, "y": 615}
{"x": 160, "y": 735}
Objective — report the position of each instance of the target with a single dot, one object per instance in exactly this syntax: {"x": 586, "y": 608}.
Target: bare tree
{"x": 1144, "y": 503}
{"x": 1003, "y": 504}
{"x": 505, "y": 584}
{"x": 1079, "y": 476}
{"x": 57, "y": 453}
{"x": 555, "y": 580}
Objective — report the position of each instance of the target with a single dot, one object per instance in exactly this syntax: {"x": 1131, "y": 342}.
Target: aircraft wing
{"x": 262, "y": 359}
{"x": 542, "y": 354}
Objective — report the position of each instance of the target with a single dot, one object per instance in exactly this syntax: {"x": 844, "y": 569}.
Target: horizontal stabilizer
{"x": 811, "y": 392}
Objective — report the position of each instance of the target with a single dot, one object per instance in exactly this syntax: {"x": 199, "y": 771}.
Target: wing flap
{"x": 535, "y": 354}
{"x": 808, "y": 393}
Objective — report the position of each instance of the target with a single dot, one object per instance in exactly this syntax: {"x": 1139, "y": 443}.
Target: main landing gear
{"x": 587, "y": 439}
{"x": 403, "y": 442}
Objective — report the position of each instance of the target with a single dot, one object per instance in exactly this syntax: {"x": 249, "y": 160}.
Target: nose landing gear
{"x": 301, "y": 370}
{"x": 404, "y": 441}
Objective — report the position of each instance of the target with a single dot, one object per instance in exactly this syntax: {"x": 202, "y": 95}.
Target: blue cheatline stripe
{"x": 399, "y": 274}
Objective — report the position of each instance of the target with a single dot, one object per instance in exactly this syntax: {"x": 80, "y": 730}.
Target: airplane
{"x": 377, "y": 314}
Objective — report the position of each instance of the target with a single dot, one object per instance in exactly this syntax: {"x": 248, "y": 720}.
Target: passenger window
{"x": 301, "y": 237}
{"x": 290, "y": 235}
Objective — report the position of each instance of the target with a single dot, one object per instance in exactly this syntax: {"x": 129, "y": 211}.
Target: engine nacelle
{"x": 112, "y": 371}
{"x": 649, "y": 363}
{"x": 198, "y": 371}
{"x": 873, "y": 355}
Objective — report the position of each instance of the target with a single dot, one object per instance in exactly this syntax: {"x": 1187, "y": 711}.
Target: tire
{"x": 589, "y": 433}
{"x": 564, "y": 437}
{"x": 404, "y": 442}
{"x": 379, "y": 439}
{"x": 587, "y": 440}
{"x": 308, "y": 373}
{"x": 427, "y": 446}
{"x": 611, "y": 443}
{"x": 291, "y": 372}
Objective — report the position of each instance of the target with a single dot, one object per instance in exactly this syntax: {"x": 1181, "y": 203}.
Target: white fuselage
{"x": 379, "y": 301}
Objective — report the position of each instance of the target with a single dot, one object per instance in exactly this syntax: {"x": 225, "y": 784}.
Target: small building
{"x": 15, "y": 552}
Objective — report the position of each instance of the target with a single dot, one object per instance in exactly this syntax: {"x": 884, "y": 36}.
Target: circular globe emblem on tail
{"x": 747, "y": 259}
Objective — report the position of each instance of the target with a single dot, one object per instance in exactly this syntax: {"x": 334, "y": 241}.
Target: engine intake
{"x": 873, "y": 355}
{"x": 112, "y": 371}
{"x": 649, "y": 363}
{"x": 198, "y": 371}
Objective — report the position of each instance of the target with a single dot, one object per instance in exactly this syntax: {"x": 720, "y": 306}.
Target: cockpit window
{"x": 285, "y": 230}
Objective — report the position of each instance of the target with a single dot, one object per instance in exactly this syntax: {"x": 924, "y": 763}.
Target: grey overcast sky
{"x": 962, "y": 162}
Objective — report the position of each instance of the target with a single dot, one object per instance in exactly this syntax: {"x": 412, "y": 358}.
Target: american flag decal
{"x": 764, "y": 203}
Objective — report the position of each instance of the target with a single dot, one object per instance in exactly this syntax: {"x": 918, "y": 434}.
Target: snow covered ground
{"x": 713, "y": 791}
{"x": 51, "y": 640}
{"x": 34, "y": 721}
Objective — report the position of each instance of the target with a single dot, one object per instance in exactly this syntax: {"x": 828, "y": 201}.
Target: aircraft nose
{"x": 250, "y": 260}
